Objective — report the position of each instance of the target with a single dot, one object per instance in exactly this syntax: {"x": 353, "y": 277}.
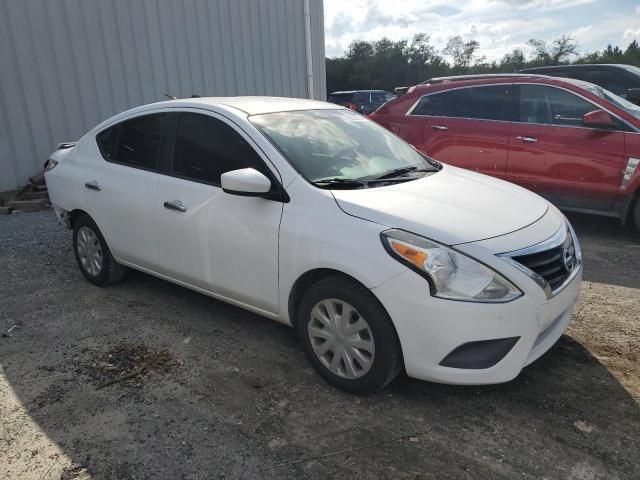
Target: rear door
{"x": 222, "y": 243}
{"x": 553, "y": 154}
{"x": 121, "y": 187}
{"x": 467, "y": 127}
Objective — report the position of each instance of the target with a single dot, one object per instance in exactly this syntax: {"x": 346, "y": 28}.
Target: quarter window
{"x": 206, "y": 147}
{"x": 490, "y": 102}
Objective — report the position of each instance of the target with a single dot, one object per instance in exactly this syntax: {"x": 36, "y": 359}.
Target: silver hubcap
{"x": 89, "y": 251}
{"x": 341, "y": 338}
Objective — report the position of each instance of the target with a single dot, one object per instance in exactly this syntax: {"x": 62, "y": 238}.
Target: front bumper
{"x": 430, "y": 328}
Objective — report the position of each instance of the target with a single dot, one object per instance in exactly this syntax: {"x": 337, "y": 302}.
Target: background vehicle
{"x": 369, "y": 251}
{"x": 623, "y": 80}
{"x": 361, "y": 101}
{"x": 570, "y": 141}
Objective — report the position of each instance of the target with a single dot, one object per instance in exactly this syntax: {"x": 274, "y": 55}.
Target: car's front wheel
{"x": 348, "y": 335}
{"x": 93, "y": 255}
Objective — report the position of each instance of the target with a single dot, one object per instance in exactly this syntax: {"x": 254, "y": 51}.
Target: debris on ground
{"x": 127, "y": 362}
{"x": 583, "y": 426}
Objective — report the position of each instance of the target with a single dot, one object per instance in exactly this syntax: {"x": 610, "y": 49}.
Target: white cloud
{"x": 499, "y": 25}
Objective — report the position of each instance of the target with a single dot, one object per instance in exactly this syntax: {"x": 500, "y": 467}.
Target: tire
{"x": 636, "y": 214}
{"x": 376, "y": 343}
{"x": 87, "y": 242}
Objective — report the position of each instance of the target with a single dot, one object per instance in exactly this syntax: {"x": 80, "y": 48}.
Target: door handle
{"x": 527, "y": 139}
{"x": 93, "y": 186}
{"x": 439, "y": 127}
{"x": 175, "y": 205}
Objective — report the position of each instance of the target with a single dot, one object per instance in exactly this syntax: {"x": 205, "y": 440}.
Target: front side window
{"x": 615, "y": 82}
{"x": 551, "y": 106}
{"x": 206, "y": 147}
{"x": 490, "y": 102}
{"x": 340, "y": 145}
{"x": 137, "y": 142}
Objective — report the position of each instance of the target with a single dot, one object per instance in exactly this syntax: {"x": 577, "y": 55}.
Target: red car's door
{"x": 467, "y": 127}
{"x": 553, "y": 154}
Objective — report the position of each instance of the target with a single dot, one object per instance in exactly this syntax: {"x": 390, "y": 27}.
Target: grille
{"x": 554, "y": 265}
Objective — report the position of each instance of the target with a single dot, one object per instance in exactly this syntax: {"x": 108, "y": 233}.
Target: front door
{"x": 223, "y": 243}
{"x": 553, "y": 154}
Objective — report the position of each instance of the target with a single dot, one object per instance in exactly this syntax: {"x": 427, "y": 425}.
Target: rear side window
{"x": 340, "y": 98}
{"x": 137, "y": 142}
{"x": 549, "y": 105}
{"x": 361, "y": 97}
{"x": 206, "y": 147}
{"x": 491, "y": 102}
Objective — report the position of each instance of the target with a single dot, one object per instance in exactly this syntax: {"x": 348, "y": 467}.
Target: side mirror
{"x": 598, "y": 119}
{"x": 633, "y": 95}
{"x": 246, "y": 182}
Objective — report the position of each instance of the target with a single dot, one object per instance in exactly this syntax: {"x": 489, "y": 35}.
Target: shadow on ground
{"x": 243, "y": 402}
{"x": 610, "y": 249}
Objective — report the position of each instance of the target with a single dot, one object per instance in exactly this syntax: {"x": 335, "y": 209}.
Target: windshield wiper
{"x": 339, "y": 182}
{"x": 400, "y": 171}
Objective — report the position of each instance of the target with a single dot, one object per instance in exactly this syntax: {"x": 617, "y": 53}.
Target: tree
{"x": 515, "y": 60}
{"x": 562, "y": 49}
{"x": 463, "y": 53}
{"x": 560, "y": 52}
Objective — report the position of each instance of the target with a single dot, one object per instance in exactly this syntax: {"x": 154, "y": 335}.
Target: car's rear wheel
{"x": 93, "y": 255}
{"x": 348, "y": 335}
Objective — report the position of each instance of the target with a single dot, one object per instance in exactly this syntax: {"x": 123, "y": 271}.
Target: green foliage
{"x": 386, "y": 64}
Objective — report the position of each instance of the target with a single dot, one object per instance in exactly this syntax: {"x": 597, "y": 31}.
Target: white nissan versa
{"x": 314, "y": 216}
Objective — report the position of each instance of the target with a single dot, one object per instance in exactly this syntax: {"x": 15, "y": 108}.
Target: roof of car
{"x": 484, "y": 76}
{"x": 356, "y": 91}
{"x": 254, "y": 105}
{"x": 579, "y": 65}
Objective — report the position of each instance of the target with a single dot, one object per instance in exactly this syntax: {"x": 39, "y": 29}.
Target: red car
{"x": 570, "y": 141}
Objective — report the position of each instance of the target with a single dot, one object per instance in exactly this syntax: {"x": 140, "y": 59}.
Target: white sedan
{"x": 312, "y": 215}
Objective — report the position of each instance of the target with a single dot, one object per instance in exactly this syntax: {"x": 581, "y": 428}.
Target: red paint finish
{"x": 573, "y": 159}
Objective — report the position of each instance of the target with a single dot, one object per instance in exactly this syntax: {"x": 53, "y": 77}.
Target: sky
{"x": 499, "y": 25}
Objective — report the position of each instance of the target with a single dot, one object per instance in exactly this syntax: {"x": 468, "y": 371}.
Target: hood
{"x": 452, "y": 206}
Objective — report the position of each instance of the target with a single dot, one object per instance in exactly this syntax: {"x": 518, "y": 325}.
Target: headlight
{"x": 451, "y": 274}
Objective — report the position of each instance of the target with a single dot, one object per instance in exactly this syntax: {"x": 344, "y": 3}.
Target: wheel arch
{"x": 75, "y": 214}
{"x": 306, "y": 281}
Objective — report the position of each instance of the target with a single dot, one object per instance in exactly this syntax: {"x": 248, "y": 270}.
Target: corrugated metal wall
{"x": 66, "y": 65}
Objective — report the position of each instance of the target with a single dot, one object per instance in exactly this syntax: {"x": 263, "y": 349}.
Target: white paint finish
{"x": 69, "y": 64}
{"x": 124, "y": 209}
{"x": 245, "y": 180}
{"x": 250, "y": 251}
{"x": 234, "y": 251}
{"x": 453, "y": 206}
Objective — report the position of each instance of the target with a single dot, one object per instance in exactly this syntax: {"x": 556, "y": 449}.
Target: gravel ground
{"x": 227, "y": 394}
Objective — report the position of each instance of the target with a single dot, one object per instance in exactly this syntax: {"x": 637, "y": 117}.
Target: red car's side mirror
{"x": 598, "y": 119}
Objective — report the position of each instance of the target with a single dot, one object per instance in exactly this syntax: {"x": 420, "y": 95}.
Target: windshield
{"x": 613, "y": 98}
{"x": 342, "y": 146}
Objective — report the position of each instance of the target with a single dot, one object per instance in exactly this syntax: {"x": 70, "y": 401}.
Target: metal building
{"x": 66, "y": 65}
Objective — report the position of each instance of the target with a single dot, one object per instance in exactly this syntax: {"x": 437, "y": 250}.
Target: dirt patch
{"x": 126, "y": 363}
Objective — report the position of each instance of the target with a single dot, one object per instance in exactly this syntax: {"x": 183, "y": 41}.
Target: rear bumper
{"x": 430, "y": 328}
